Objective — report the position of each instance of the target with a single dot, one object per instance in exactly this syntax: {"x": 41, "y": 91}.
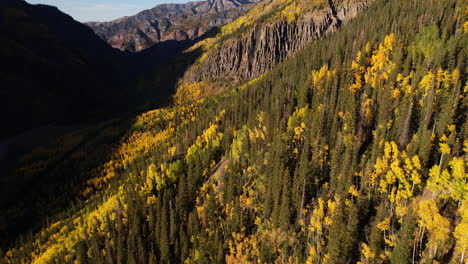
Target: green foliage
{"x": 402, "y": 252}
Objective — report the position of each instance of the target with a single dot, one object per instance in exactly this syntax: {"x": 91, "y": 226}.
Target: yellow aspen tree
{"x": 451, "y": 182}
{"x": 316, "y": 229}
{"x": 189, "y": 92}
{"x": 461, "y": 233}
{"x": 358, "y": 73}
{"x": 320, "y": 77}
{"x": 437, "y": 226}
{"x": 381, "y": 64}
{"x": 367, "y": 254}
{"x": 397, "y": 175}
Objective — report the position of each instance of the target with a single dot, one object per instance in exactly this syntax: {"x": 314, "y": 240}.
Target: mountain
{"x": 54, "y": 68}
{"x": 267, "y": 35}
{"x": 72, "y": 74}
{"x": 169, "y": 22}
{"x": 323, "y": 132}
{"x": 56, "y": 76}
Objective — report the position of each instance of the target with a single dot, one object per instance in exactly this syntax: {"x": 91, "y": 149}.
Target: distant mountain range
{"x": 169, "y": 22}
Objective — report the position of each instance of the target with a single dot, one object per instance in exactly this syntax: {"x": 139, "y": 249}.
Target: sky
{"x": 102, "y": 10}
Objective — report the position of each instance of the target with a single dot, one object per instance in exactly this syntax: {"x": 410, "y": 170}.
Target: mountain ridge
{"x": 169, "y": 22}
{"x": 255, "y": 45}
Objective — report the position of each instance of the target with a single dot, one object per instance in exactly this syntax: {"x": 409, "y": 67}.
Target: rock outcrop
{"x": 267, "y": 44}
{"x": 169, "y": 22}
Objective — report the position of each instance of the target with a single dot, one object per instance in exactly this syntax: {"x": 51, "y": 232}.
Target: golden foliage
{"x": 461, "y": 232}
{"x": 190, "y": 92}
{"x": 399, "y": 174}
{"x": 381, "y": 64}
{"x": 246, "y": 249}
{"x": 437, "y": 226}
{"x": 450, "y": 182}
{"x": 321, "y": 77}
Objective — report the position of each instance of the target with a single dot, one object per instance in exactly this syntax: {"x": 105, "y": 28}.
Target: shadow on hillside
{"x": 167, "y": 63}
{"x": 43, "y": 179}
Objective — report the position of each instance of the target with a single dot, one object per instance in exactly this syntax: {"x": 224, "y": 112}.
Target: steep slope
{"x": 169, "y": 22}
{"x": 57, "y": 75}
{"x": 352, "y": 150}
{"x": 53, "y": 69}
{"x": 267, "y": 35}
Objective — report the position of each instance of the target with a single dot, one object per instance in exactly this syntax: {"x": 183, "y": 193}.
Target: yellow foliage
{"x": 426, "y": 82}
{"x": 450, "y": 182}
{"x": 381, "y": 64}
{"x": 65, "y": 240}
{"x": 401, "y": 211}
{"x": 396, "y": 93}
{"x": 353, "y": 191}
{"x": 444, "y": 148}
{"x": 437, "y": 226}
{"x": 311, "y": 258}
{"x": 461, "y": 232}
{"x": 397, "y": 174}
{"x": 296, "y": 120}
{"x": 318, "y": 215}
{"x": 367, "y": 107}
{"x": 210, "y": 138}
{"x": 368, "y": 47}
{"x": 405, "y": 82}
{"x": 246, "y": 249}
{"x": 320, "y": 77}
{"x": 367, "y": 252}
{"x": 189, "y": 92}
{"x": 391, "y": 240}
{"x": 384, "y": 225}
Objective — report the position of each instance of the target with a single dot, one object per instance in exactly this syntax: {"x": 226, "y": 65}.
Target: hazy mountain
{"x": 169, "y": 22}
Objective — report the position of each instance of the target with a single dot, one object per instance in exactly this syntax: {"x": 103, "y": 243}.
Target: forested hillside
{"x": 353, "y": 150}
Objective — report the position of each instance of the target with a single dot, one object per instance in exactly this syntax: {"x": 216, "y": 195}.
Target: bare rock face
{"x": 265, "y": 45}
{"x": 169, "y": 22}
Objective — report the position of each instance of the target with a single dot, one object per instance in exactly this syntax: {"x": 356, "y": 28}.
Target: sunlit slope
{"x": 267, "y": 35}
{"x": 353, "y": 150}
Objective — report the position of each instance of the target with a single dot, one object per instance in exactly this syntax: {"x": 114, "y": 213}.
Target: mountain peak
{"x": 222, "y": 5}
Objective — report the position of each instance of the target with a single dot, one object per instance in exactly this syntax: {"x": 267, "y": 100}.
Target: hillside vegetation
{"x": 353, "y": 150}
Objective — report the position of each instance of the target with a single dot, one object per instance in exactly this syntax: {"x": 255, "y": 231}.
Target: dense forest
{"x": 353, "y": 150}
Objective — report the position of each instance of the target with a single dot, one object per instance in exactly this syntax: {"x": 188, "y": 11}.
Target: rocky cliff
{"x": 266, "y": 44}
{"x": 169, "y": 22}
